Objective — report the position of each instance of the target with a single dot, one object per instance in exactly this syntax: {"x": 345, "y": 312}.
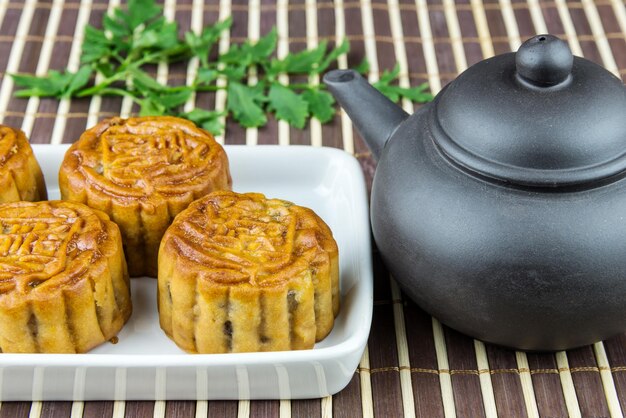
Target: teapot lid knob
{"x": 544, "y": 61}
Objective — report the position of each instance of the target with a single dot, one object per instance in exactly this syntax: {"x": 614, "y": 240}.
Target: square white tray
{"x": 146, "y": 365}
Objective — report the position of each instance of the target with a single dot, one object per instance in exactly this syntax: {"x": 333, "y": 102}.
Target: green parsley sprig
{"x": 134, "y": 38}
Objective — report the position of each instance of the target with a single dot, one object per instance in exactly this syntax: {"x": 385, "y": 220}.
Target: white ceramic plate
{"x": 145, "y": 364}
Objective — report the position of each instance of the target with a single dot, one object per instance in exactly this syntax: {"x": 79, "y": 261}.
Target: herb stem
{"x": 97, "y": 89}
{"x": 204, "y": 87}
{"x": 113, "y": 91}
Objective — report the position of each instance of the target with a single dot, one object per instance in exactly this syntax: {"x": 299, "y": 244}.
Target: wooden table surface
{"x": 412, "y": 365}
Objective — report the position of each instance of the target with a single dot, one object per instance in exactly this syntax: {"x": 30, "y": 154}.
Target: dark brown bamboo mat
{"x": 413, "y": 366}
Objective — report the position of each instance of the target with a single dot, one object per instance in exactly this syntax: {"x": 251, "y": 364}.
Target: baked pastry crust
{"x": 64, "y": 286}
{"x": 240, "y": 273}
{"x": 142, "y": 172}
{"x": 20, "y": 174}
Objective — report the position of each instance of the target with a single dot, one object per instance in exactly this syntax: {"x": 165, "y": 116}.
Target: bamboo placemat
{"x": 413, "y": 366}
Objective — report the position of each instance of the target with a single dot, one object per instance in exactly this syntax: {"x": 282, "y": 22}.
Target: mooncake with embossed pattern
{"x": 64, "y": 286}
{"x": 20, "y": 174}
{"x": 142, "y": 172}
{"x": 241, "y": 273}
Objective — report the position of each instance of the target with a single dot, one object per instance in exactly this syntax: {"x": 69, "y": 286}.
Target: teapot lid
{"x": 539, "y": 117}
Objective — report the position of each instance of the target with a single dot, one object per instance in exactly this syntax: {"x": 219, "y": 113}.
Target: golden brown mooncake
{"x": 142, "y": 172}
{"x": 240, "y": 273}
{"x": 64, "y": 286}
{"x": 20, "y": 174}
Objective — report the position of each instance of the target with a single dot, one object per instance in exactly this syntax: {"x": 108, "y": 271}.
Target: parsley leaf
{"x": 100, "y": 45}
{"x": 341, "y": 49}
{"x": 57, "y": 84}
{"x": 139, "y": 12}
{"x": 248, "y": 53}
{"x": 363, "y": 67}
{"x": 288, "y": 105}
{"x": 320, "y": 104}
{"x": 208, "y": 120}
{"x": 200, "y": 45}
{"x": 206, "y": 75}
{"x": 303, "y": 62}
{"x": 174, "y": 97}
{"x": 417, "y": 94}
{"x": 245, "y": 104}
{"x": 77, "y": 81}
{"x": 159, "y": 103}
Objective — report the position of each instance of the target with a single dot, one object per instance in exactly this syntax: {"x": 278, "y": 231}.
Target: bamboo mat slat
{"x": 413, "y": 366}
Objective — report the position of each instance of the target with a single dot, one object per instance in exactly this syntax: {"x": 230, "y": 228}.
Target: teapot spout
{"x": 374, "y": 116}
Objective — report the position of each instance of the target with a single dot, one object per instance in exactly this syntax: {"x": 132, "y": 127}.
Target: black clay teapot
{"x": 500, "y": 207}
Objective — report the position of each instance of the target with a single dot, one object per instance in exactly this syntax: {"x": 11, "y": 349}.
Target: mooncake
{"x": 64, "y": 286}
{"x": 142, "y": 172}
{"x": 241, "y": 273}
{"x": 20, "y": 174}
